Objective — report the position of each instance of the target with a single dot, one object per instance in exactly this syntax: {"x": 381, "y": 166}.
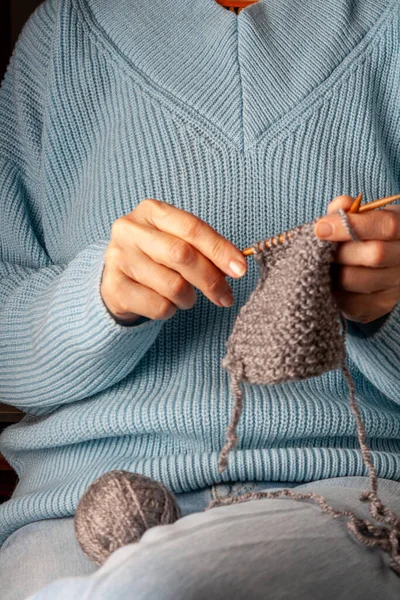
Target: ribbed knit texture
{"x": 253, "y": 122}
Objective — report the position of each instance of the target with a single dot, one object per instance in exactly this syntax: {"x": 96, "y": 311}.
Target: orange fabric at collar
{"x": 236, "y": 3}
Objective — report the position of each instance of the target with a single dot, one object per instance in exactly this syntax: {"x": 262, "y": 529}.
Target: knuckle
{"x": 164, "y": 310}
{"x": 148, "y": 203}
{"x": 181, "y": 253}
{"x": 191, "y": 227}
{"x": 177, "y": 286}
{"x": 212, "y": 283}
{"x": 390, "y": 225}
{"x": 219, "y": 249}
{"x": 159, "y": 208}
{"x": 122, "y": 229}
{"x": 113, "y": 255}
{"x": 121, "y": 307}
{"x": 116, "y": 228}
{"x": 148, "y": 207}
{"x": 377, "y": 253}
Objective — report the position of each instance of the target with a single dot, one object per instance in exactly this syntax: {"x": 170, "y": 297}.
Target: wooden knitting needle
{"x": 378, "y": 203}
{"x": 355, "y": 208}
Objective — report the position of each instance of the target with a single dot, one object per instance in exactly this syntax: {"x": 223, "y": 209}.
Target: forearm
{"x": 58, "y": 342}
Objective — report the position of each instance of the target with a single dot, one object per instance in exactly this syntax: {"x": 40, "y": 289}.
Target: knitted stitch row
{"x": 291, "y": 329}
{"x": 108, "y": 102}
{"x": 293, "y": 322}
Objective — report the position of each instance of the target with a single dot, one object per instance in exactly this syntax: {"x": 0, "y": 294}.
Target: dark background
{"x": 13, "y": 14}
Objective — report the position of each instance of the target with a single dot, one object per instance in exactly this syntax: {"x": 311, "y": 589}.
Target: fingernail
{"x": 323, "y": 229}
{"x": 237, "y": 267}
{"x": 227, "y": 299}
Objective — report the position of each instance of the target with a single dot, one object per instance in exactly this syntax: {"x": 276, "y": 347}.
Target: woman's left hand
{"x": 367, "y": 285}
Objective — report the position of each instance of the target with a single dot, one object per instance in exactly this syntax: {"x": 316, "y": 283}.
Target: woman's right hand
{"x": 157, "y": 254}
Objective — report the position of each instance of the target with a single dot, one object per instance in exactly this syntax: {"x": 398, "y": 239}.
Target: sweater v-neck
{"x": 239, "y": 74}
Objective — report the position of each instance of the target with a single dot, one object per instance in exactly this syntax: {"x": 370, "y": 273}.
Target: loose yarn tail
{"x": 386, "y": 536}
{"x": 231, "y": 433}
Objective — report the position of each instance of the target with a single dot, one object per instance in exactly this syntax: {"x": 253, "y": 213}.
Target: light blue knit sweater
{"x": 252, "y": 122}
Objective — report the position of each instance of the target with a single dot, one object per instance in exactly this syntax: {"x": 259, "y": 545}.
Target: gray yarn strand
{"x": 347, "y": 226}
{"x": 290, "y": 318}
{"x": 294, "y": 323}
{"x": 366, "y": 532}
{"x": 239, "y": 357}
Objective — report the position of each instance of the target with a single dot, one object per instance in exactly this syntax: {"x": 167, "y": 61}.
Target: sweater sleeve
{"x": 58, "y": 342}
{"x": 376, "y": 353}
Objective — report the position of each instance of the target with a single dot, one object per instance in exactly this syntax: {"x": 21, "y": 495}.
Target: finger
{"x": 344, "y": 202}
{"x": 178, "y": 255}
{"x": 166, "y": 282}
{"x": 135, "y": 298}
{"x": 366, "y": 307}
{"x": 373, "y": 225}
{"x": 393, "y": 207}
{"x": 365, "y": 280}
{"x": 372, "y": 253}
{"x": 196, "y": 232}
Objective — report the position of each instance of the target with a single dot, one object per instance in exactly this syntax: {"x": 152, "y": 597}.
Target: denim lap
{"x": 237, "y": 551}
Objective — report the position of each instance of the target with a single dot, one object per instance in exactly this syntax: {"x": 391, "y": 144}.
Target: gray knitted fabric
{"x": 290, "y": 329}
{"x": 290, "y": 318}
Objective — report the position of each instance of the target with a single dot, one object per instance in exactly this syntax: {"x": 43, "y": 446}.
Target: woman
{"x": 143, "y": 145}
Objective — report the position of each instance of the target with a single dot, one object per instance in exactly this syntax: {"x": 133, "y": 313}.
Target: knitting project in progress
{"x": 292, "y": 320}
{"x": 289, "y": 329}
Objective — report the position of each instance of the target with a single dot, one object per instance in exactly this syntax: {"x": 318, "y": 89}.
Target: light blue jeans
{"x": 273, "y": 549}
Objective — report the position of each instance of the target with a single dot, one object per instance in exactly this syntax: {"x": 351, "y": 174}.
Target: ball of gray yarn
{"x": 117, "y": 508}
